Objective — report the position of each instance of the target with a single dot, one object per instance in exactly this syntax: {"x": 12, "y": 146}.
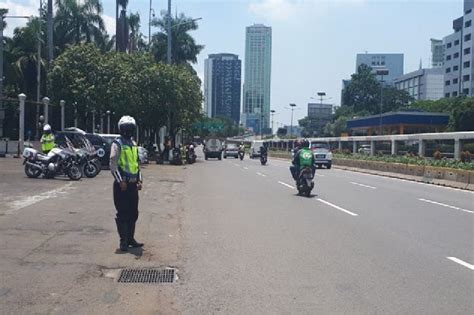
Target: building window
{"x": 448, "y": 57}
{"x": 456, "y": 42}
{"x": 465, "y": 78}
{"x": 468, "y": 11}
{"x": 455, "y": 68}
{"x": 446, "y": 95}
{"x": 447, "y": 83}
{"x": 448, "y": 45}
{"x": 448, "y": 70}
{"x": 455, "y": 94}
{"x": 467, "y": 51}
{"x": 455, "y": 81}
{"x": 468, "y": 23}
{"x": 456, "y": 55}
{"x": 467, "y": 37}
{"x": 465, "y": 91}
{"x": 466, "y": 64}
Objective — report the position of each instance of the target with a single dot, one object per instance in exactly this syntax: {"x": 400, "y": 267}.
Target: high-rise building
{"x": 437, "y": 53}
{"x": 459, "y": 55}
{"x": 222, "y": 82}
{"x": 423, "y": 84}
{"x": 392, "y": 62}
{"x": 257, "y": 79}
{"x": 319, "y": 116}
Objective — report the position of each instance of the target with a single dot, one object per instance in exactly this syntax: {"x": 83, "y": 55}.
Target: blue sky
{"x": 314, "y": 41}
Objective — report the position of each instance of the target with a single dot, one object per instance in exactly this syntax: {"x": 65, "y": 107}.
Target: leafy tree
{"x": 362, "y": 94}
{"x": 183, "y": 46}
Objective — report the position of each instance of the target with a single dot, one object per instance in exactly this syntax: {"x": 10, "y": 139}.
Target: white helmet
{"x": 126, "y": 120}
{"x": 46, "y": 127}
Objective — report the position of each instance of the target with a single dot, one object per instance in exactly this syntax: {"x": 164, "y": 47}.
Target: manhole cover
{"x": 150, "y": 275}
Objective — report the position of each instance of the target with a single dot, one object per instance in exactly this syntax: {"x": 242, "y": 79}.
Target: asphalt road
{"x": 362, "y": 244}
{"x": 242, "y": 241}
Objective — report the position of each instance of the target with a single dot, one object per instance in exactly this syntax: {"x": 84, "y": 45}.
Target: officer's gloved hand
{"x": 139, "y": 185}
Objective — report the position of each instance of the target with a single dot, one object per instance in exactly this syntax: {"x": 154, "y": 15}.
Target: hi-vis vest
{"x": 128, "y": 159}
{"x": 306, "y": 157}
{"x": 47, "y": 142}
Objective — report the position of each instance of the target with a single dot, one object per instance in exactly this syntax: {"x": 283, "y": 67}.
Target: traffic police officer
{"x": 128, "y": 181}
{"x": 47, "y": 139}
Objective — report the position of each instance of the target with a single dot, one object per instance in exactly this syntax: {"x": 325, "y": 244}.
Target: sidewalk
{"x": 59, "y": 252}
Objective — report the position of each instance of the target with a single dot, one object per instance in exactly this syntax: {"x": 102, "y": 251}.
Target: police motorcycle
{"x": 190, "y": 154}
{"x": 87, "y": 158}
{"x": 58, "y": 161}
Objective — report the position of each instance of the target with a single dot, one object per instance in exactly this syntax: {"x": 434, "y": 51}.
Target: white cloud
{"x": 109, "y": 24}
{"x": 274, "y": 9}
{"x": 15, "y": 8}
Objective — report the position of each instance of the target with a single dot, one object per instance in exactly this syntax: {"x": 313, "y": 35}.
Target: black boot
{"x": 122, "y": 229}
{"x": 131, "y": 240}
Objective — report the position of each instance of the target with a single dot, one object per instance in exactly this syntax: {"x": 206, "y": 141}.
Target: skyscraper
{"x": 222, "y": 81}
{"x": 258, "y": 64}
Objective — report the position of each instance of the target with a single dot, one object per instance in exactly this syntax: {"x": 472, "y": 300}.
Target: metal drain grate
{"x": 147, "y": 275}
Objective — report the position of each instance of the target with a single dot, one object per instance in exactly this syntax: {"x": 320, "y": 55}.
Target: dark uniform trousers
{"x": 126, "y": 204}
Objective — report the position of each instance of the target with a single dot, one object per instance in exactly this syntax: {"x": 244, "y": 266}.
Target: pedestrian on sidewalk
{"x": 125, "y": 167}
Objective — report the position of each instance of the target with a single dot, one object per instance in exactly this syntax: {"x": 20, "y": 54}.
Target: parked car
{"x": 255, "y": 148}
{"x": 231, "y": 149}
{"x": 364, "y": 149}
{"x": 322, "y": 154}
{"x": 213, "y": 148}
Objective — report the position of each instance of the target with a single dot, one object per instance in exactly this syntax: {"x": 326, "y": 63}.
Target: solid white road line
{"x": 362, "y": 185}
{"x": 260, "y": 174}
{"x": 445, "y": 205}
{"x": 337, "y": 207}
{"x": 285, "y": 184}
{"x": 463, "y": 263}
{"x": 319, "y": 175}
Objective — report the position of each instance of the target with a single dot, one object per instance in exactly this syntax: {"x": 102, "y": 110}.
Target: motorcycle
{"x": 263, "y": 158}
{"x": 57, "y": 162}
{"x": 87, "y": 158}
{"x": 176, "y": 158}
{"x": 305, "y": 182}
{"x": 190, "y": 155}
{"x": 241, "y": 154}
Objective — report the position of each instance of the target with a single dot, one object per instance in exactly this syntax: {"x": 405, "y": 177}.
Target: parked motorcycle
{"x": 176, "y": 158}
{"x": 305, "y": 182}
{"x": 57, "y": 162}
{"x": 87, "y": 158}
{"x": 190, "y": 155}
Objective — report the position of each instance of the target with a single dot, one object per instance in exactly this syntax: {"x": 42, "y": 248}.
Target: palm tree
{"x": 135, "y": 36}
{"x": 183, "y": 48}
{"x": 121, "y": 28}
{"x": 77, "y": 22}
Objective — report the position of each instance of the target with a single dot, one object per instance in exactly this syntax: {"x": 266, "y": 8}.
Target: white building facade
{"x": 458, "y": 55}
{"x": 423, "y": 84}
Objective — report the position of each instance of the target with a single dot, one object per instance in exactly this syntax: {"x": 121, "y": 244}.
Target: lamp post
{"x": 321, "y": 96}
{"x": 381, "y": 73}
{"x": 292, "y": 107}
{"x": 272, "y": 111}
{"x": 21, "y": 98}
{"x": 108, "y": 121}
{"x": 168, "y": 31}
{"x": 62, "y": 103}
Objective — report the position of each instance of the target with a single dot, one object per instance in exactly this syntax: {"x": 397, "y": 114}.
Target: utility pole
{"x": 381, "y": 72}
{"x": 291, "y": 127}
{"x": 273, "y": 115}
{"x": 38, "y": 70}
{"x": 168, "y": 28}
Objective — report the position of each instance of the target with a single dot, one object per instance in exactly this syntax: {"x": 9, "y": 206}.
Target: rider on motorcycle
{"x": 303, "y": 158}
{"x": 47, "y": 139}
{"x": 242, "y": 147}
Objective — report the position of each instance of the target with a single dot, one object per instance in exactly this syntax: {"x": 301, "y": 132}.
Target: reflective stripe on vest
{"x": 306, "y": 157}
{"x": 128, "y": 159}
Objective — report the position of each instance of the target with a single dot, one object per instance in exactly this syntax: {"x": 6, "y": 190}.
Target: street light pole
{"x": 321, "y": 96}
{"x": 291, "y": 126}
{"x": 108, "y": 121}
{"x": 272, "y": 111}
{"x": 381, "y": 72}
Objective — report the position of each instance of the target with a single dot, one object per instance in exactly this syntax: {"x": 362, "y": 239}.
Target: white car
{"x": 322, "y": 154}
{"x": 255, "y": 148}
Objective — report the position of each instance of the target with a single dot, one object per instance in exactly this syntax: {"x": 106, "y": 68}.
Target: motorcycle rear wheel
{"x": 74, "y": 172}
{"x": 32, "y": 172}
